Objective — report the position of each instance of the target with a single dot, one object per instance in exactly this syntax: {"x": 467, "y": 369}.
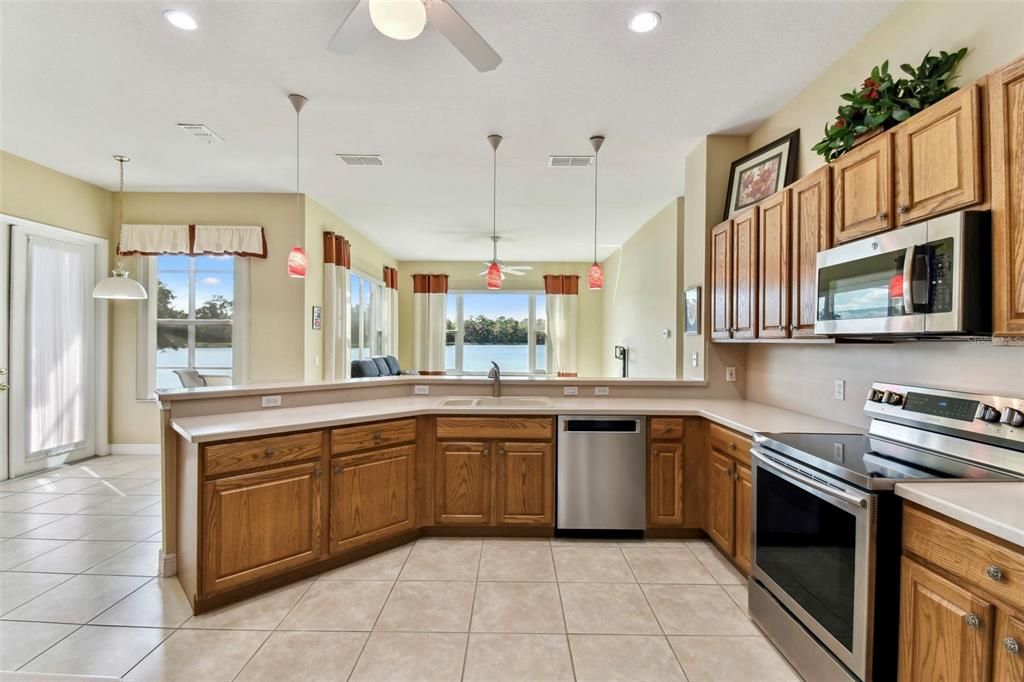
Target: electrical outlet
{"x": 316, "y": 360}
{"x": 693, "y": 359}
{"x": 420, "y": 389}
{"x": 600, "y": 390}
{"x": 839, "y": 390}
{"x": 730, "y": 374}
{"x": 571, "y": 390}
{"x": 270, "y": 401}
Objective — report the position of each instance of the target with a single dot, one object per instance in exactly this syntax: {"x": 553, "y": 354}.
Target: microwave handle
{"x": 908, "y": 280}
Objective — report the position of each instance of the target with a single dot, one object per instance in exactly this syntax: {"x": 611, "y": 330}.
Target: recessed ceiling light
{"x": 644, "y": 22}
{"x": 182, "y": 20}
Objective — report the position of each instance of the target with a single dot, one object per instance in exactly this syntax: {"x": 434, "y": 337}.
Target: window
{"x": 504, "y": 327}
{"x": 367, "y": 316}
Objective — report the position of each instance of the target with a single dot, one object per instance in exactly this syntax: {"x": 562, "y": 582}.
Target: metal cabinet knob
{"x": 316, "y": 473}
{"x": 269, "y": 452}
{"x": 902, "y": 210}
{"x": 376, "y": 435}
{"x": 337, "y": 469}
{"x": 994, "y": 572}
{"x": 1011, "y": 646}
{"x": 881, "y": 215}
{"x": 973, "y": 622}
{"x": 732, "y": 446}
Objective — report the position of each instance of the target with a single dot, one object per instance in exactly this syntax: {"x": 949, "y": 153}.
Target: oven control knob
{"x": 1012, "y": 417}
{"x": 892, "y": 398}
{"x": 987, "y": 413}
{"x": 874, "y": 395}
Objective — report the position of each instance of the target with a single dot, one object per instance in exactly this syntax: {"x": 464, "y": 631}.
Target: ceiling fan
{"x": 517, "y": 270}
{"x": 405, "y": 20}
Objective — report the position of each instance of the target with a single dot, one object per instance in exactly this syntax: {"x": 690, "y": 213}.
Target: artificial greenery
{"x": 882, "y": 102}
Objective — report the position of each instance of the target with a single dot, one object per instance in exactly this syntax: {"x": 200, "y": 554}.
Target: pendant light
{"x": 297, "y": 257}
{"x": 595, "y": 277}
{"x": 494, "y": 270}
{"x": 119, "y": 285}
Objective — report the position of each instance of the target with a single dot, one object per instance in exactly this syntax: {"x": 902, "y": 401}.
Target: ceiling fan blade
{"x": 463, "y": 36}
{"x": 353, "y": 29}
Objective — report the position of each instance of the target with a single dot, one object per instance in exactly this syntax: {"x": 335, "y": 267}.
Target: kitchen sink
{"x": 509, "y": 401}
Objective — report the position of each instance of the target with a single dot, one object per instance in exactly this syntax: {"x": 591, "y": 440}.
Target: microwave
{"x": 932, "y": 278}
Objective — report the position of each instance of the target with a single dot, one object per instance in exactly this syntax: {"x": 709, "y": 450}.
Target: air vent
{"x": 570, "y": 161}
{"x": 201, "y": 131}
{"x": 361, "y": 159}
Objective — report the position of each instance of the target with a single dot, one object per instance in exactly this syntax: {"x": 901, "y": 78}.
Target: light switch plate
{"x": 600, "y": 390}
{"x": 730, "y": 374}
{"x": 571, "y": 390}
{"x": 270, "y": 401}
{"x": 420, "y": 389}
{"x": 839, "y": 390}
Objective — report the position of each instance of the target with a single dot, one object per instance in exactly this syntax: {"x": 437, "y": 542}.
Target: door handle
{"x": 908, "y": 280}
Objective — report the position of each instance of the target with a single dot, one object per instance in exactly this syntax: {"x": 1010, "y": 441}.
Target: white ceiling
{"x": 84, "y": 80}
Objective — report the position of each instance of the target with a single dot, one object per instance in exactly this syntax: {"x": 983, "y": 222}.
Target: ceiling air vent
{"x": 201, "y": 131}
{"x": 570, "y": 161}
{"x": 361, "y": 159}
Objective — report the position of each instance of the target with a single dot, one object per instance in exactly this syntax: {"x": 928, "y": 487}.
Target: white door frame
{"x": 100, "y": 248}
{"x": 5, "y": 317}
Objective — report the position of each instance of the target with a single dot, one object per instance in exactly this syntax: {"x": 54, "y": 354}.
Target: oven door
{"x": 814, "y": 551}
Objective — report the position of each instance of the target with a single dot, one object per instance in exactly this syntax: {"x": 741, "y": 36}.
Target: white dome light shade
{"x": 182, "y": 20}
{"x": 398, "y": 19}
{"x": 644, "y": 22}
{"x": 119, "y": 286}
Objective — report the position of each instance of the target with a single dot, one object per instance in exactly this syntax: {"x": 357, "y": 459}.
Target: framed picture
{"x": 691, "y": 304}
{"x": 761, "y": 173}
{"x": 317, "y": 317}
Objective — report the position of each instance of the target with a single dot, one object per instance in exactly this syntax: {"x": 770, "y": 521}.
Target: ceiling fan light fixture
{"x": 644, "y": 22}
{"x": 182, "y": 20}
{"x": 398, "y": 19}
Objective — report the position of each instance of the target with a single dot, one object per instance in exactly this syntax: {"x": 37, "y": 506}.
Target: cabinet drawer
{"x": 729, "y": 442}
{"x": 966, "y": 554}
{"x": 666, "y": 428}
{"x": 365, "y": 436}
{"x": 249, "y": 454}
{"x": 484, "y": 428}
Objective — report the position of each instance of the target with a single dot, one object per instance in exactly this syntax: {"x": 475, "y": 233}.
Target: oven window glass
{"x": 807, "y": 546}
{"x": 869, "y": 287}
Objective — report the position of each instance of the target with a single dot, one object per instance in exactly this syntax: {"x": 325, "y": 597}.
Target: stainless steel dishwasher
{"x": 602, "y": 473}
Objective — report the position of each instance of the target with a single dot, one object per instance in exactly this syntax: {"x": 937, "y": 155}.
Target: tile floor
{"x": 78, "y": 595}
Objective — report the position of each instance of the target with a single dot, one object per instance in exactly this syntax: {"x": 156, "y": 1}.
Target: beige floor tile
{"x": 666, "y": 564}
{"x": 22, "y": 501}
{"x": 731, "y": 659}
{"x": 21, "y": 485}
{"x": 517, "y": 561}
{"x": 159, "y": 603}
{"x": 697, "y": 610}
{"x": 384, "y": 566}
{"x": 78, "y": 600}
{"x": 306, "y": 656}
{"x": 411, "y": 657}
{"x": 18, "y": 588}
{"x": 495, "y": 658}
{"x": 583, "y": 542}
{"x": 443, "y": 559}
{"x": 124, "y": 486}
{"x": 592, "y": 564}
{"x": 140, "y": 559}
{"x": 192, "y": 655}
{"x": 74, "y": 557}
{"x": 93, "y": 650}
{"x": 13, "y": 524}
{"x": 338, "y": 605}
{"x": 155, "y": 509}
{"x": 21, "y": 642}
{"x": 517, "y": 607}
{"x": 65, "y": 485}
{"x": 738, "y": 593}
{"x": 607, "y": 608}
{"x": 262, "y": 612}
{"x": 130, "y": 504}
{"x": 717, "y": 565}
{"x": 70, "y": 504}
{"x": 134, "y": 528}
{"x": 74, "y": 527}
{"x": 624, "y": 657}
{"x": 431, "y": 606}
{"x": 17, "y": 551}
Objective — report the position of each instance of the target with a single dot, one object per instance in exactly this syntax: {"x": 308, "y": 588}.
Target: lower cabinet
{"x": 524, "y": 484}
{"x": 744, "y": 495}
{"x": 665, "y": 484}
{"x": 462, "y": 473}
{"x": 1009, "y": 657}
{"x": 729, "y": 516}
{"x": 259, "y": 524}
{"x": 721, "y": 501}
{"x": 373, "y": 496}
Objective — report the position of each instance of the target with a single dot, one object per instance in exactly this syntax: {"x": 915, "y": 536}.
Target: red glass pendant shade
{"x": 493, "y": 276}
{"x": 297, "y": 262}
{"x": 595, "y": 278}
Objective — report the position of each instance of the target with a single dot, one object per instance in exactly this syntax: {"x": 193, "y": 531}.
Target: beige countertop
{"x": 994, "y": 507}
{"x": 742, "y": 415}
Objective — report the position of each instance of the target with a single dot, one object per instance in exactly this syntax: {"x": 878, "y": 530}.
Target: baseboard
{"x": 135, "y": 448}
{"x": 168, "y": 564}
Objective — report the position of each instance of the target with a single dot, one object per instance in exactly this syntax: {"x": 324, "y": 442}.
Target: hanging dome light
{"x": 398, "y": 19}
{"x": 595, "y": 277}
{"x": 119, "y": 286}
{"x": 297, "y": 257}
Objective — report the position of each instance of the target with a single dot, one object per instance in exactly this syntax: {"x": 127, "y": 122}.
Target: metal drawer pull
{"x": 269, "y": 452}
{"x": 732, "y": 446}
{"x": 994, "y": 572}
{"x": 337, "y": 469}
{"x": 376, "y": 435}
{"x": 1011, "y": 646}
{"x": 902, "y": 209}
{"x": 973, "y": 622}
{"x": 316, "y": 473}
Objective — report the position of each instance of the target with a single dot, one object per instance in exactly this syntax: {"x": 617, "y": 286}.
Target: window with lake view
{"x": 504, "y": 327}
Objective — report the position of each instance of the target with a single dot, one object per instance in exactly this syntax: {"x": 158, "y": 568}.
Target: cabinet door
{"x": 744, "y": 518}
{"x": 773, "y": 266}
{"x": 938, "y": 158}
{"x": 744, "y": 275}
{"x": 372, "y": 496}
{"x": 1006, "y": 121}
{"x": 862, "y": 190}
{"x": 525, "y": 484}
{"x": 721, "y": 503}
{"x": 462, "y": 493}
{"x": 945, "y": 631}
{"x": 665, "y": 484}
{"x": 721, "y": 280}
{"x": 260, "y": 524}
{"x": 1008, "y": 665}
{"x": 811, "y": 227}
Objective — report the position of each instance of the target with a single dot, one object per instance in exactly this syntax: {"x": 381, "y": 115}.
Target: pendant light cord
{"x": 595, "y": 205}
{"x": 120, "y": 197}
{"x": 494, "y": 206}
{"x": 298, "y": 228}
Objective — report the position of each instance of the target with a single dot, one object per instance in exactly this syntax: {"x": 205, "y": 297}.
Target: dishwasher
{"x": 602, "y": 473}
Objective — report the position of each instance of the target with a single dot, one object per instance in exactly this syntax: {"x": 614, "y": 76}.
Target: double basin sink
{"x": 509, "y": 401}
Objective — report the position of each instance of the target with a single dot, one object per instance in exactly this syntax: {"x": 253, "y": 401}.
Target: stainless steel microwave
{"x": 932, "y": 278}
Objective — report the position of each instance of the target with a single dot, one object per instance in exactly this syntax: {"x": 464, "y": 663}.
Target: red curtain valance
{"x": 390, "y": 277}
{"x": 430, "y": 284}
{"x": 567, "y": 285}
{"x": 337, "y": 250}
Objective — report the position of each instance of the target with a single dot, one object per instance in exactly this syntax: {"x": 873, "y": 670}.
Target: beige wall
{"x": 464, "y": 276}
{"x": 640, "y": 298}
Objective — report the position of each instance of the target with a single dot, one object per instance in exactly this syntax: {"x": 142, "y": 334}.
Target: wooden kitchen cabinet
{"x": 862, "y": 190}
{"x": 1006, "y": 126}
{"x": 721, "y": 501}
{"x": 938, "y": 158}
{"x": 372, "y": 496}
{"x": 462, "y": 471}
{"x": 665, "y": 471}
{"x": 744, "y": 275}
{"x": 261, "y": 524}
{"x": 525, "y": 484}
{"x": 721, "y": 281}
{"x": 1008, "y": 662}
{"x": 811, "y": 229}
{"x": 729, "y": 516}
{"x": 744, "y": 496}
{"x": 773, "y": 271}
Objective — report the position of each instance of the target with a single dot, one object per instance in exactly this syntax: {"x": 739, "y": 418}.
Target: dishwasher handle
{"x": 628, "y": 425}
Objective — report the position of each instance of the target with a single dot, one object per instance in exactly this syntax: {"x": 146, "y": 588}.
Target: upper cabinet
{"x": 721, "y": 281}
{"x": 811, "y": 230}
{"x": 1006, "y": 126}
{"x": 744, "y": 275}
{"x": 773, "y": 266}
{"x": 938, "y": 158}
{"x": 862, "y": 190}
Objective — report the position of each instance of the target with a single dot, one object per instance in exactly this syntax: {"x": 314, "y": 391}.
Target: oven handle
{"x": 809, "y": 482}
{"x": 908, "y": 280}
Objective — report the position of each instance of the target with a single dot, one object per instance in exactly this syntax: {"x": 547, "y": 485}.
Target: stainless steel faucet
{"x": 495, "y": 375}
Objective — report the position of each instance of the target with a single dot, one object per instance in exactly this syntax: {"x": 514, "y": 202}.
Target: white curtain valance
{"x": 193, "y": 240}
{"x": 236, "y": 240}
{"x": 151, "y": 240}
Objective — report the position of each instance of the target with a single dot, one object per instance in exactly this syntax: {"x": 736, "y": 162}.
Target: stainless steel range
{"x": 825, "y": 579}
